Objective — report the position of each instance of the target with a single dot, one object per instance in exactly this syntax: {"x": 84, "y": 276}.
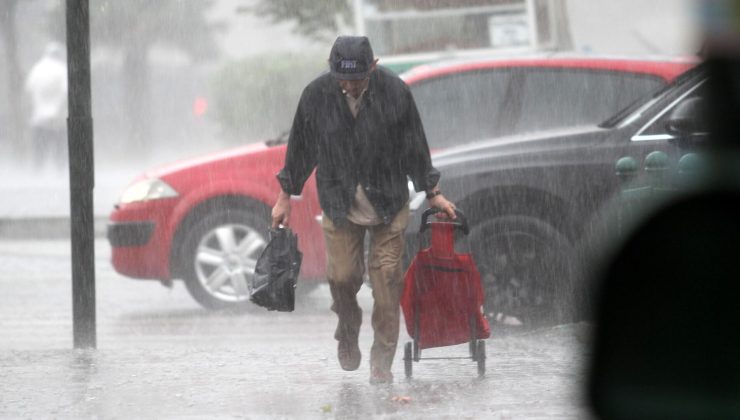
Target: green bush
{"x": 255, "y": 98}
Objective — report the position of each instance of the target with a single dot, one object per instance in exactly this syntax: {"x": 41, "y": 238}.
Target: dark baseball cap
{"x": 351, "y": 58}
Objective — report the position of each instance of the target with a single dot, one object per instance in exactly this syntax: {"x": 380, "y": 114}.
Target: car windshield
{"x": 490, "y": 103}
{"x": 637, "y": 108}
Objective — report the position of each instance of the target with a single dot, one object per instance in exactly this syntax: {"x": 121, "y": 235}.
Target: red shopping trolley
{"x": 443, "y": 297}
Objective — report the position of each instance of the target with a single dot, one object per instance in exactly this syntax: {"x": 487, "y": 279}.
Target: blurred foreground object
{"x": 666, "y": 341}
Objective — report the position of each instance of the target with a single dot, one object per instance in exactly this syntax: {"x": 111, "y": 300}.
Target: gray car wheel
{"x": 525, "y": 266}
{"x": 219, "y": 257}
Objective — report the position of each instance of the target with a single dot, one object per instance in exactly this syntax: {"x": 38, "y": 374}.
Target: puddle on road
{"x": 531, "y": 375}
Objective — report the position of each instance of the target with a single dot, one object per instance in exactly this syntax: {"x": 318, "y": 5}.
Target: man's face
{"x": 355, "y": 87}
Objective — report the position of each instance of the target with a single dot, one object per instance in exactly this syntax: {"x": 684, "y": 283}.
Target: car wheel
{"x": 525, "y": 268}
{"x": 219, "y": 257}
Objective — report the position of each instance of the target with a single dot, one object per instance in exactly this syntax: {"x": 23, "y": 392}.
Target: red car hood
{"x": 234, "y": 154}
{"x": 248, "y": 152}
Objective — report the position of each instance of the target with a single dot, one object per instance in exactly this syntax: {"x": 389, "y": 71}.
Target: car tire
{"x": 525, "y": 265}
{"x": 219, "y": 254}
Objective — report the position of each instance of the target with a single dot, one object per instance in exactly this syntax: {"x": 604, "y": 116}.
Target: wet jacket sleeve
{"x": 416, "y": 157}
{"x": 300, "y": 159}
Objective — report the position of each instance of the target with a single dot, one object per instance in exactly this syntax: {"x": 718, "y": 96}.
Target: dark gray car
{"x": 532, "y": 200}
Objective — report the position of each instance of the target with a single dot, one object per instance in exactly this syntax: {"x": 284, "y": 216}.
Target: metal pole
{"x": 561, "y": 24}
{"x": 359, "y": 16}
{"x": 531, "y": 10}
{"x": 81, "y": 173}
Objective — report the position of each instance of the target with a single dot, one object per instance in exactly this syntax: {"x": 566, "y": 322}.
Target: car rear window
{"x": 464, "y": 107}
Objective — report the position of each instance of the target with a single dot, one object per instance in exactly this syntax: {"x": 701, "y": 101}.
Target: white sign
{"x": 508, "y": 30}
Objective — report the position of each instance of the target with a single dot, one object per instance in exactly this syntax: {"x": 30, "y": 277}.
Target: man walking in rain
{"x": 359, "y": 127}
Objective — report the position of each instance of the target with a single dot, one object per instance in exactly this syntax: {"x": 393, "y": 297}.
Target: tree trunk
{"x": 14, "y": 142}
{"x": 137, "y": 98}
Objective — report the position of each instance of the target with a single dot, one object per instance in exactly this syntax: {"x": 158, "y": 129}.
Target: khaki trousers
{"x": 345, "y": 258}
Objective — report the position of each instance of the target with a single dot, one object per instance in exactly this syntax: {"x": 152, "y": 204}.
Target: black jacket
{"x": 379, "y": 148}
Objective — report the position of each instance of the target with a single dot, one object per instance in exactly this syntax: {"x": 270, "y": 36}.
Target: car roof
{"x": 665, "y": 68}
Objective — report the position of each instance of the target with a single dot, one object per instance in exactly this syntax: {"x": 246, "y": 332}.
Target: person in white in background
{"x": 46, "y": 86}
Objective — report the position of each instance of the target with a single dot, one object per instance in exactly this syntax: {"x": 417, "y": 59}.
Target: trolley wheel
{"x": 407, "y": 359}
{"x": 480, "y": 353}
{"x": 473, "y": 337}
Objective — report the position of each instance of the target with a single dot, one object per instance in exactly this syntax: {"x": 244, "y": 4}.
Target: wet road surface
{"x": 161, "y": 356}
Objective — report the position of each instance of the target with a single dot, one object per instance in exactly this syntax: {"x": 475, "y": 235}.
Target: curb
{"x": 56, "y": 227}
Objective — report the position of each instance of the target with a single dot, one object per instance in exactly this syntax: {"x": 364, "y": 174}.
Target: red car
{"x": 205, "y": 220}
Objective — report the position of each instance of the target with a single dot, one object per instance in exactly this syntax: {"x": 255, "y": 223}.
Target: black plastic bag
{"x": 276, "y": 273}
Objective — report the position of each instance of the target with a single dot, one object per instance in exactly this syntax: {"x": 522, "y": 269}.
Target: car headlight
{"x": 147, "y": 189}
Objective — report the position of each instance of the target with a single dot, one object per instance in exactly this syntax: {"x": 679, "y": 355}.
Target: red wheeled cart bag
{"x": 443, "y": 297}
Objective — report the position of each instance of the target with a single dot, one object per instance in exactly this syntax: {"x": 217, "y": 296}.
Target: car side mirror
{"x": 687, "y": 123}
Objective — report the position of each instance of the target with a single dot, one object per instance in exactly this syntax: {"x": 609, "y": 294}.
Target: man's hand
{"x": 439, "y": 201}
{"x": 281, "y": 210}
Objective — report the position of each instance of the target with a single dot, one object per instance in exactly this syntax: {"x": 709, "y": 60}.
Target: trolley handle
{"x": 460, "y": 223}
